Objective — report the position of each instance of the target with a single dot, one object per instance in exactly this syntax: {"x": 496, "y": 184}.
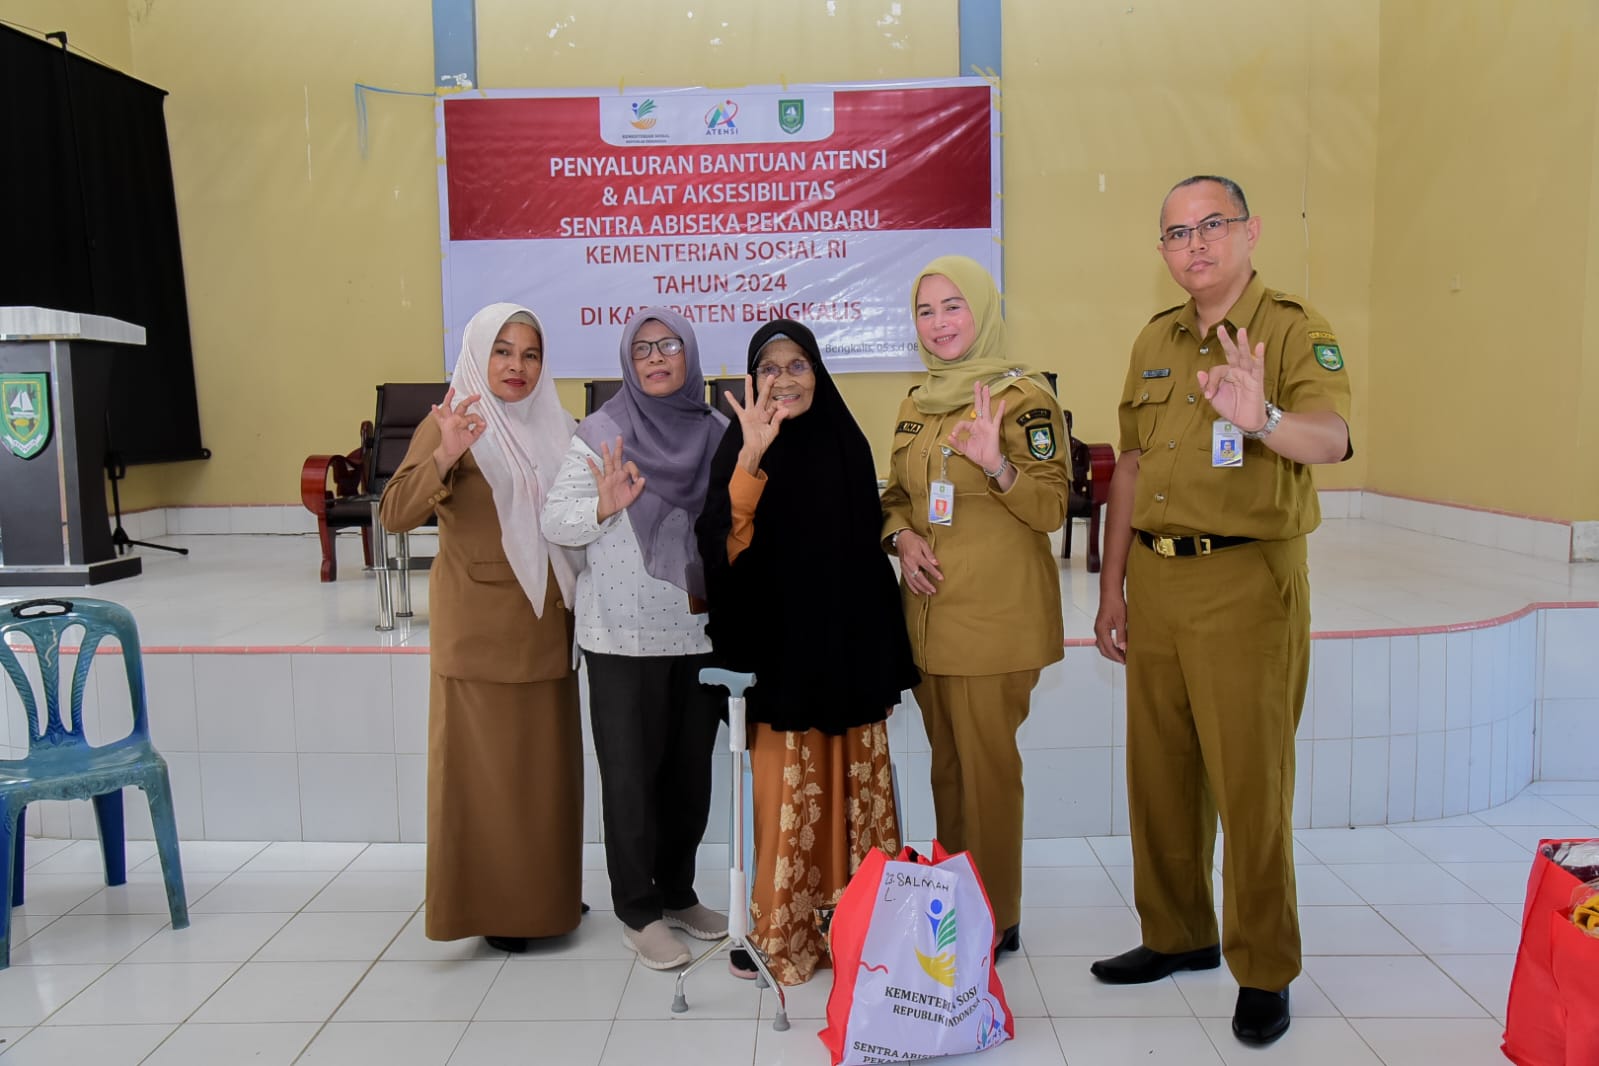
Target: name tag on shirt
{"x": 1226, "y": 444}
{"x": 941, "y": 503}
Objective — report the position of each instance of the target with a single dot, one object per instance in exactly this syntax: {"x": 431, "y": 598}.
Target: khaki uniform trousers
{"x": 971, "y": 726}
{"x": 1218, "y": 653}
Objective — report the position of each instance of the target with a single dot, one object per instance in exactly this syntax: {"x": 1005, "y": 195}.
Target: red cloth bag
{"x": 1553, "y": 1015}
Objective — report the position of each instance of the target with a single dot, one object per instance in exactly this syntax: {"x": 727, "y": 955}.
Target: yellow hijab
{"x": 949, "y": 384}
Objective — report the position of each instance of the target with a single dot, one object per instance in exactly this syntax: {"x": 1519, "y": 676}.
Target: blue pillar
{"x": 981, "y": 37}
{"x": 981, "y": 23}
{"x": 455, "y": 44}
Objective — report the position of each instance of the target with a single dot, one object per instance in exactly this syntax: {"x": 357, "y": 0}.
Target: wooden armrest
{"x": 1101, "y": 465}
{"x": 346, "y": 471}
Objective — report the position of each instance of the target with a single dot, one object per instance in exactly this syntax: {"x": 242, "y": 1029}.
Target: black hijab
{"x": 811, "y": 606}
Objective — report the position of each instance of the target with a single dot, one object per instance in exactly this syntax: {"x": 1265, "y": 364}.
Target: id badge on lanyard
{"x": 941, "y": 494}
{"x": 1226, "y": 444}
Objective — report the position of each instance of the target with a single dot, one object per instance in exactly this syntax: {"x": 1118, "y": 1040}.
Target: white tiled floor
{"x": 314, "y": 953}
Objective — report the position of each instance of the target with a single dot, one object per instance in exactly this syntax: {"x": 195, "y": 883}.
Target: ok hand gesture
{"x": 619, "y": 483}
{"x": 459, "y": 428}
{"x": 1237, "y": 390}
{"x": 759, "y": 421}
{"x": 978, "y": 439}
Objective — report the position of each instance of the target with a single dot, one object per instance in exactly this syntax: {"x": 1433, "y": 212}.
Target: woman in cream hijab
{"x": 978, "y": 480}
{"x": 505, "y": 754}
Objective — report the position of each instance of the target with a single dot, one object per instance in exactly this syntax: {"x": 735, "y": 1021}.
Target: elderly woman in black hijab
{"x": 802, "y": 594}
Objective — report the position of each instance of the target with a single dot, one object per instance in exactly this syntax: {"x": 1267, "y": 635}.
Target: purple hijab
{"x": 672, "y": 439}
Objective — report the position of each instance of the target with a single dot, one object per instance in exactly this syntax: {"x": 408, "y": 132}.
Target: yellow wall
{"x": 1483, "y": 300}
{"x": 98, "y": 28}
{"x": 1131, "y": 96}
{"x": 312, "y": 270}
{"x": 1374, "y": 137}
{"x": 1585, "y": 485}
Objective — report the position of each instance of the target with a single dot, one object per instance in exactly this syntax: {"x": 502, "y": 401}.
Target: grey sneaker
{"x": 698, "y": 921}
{"x": 656, "y": 946}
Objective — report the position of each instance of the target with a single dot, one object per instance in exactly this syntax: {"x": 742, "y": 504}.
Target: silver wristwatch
{"x": 1274, "y": 415}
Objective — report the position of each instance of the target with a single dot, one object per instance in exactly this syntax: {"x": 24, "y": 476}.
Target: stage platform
{"x": 1445, "y": 676}
{"x": 259, "y": 593}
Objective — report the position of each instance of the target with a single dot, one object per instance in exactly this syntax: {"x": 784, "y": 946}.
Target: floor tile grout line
{"x": 239, "y": 968}
{"x": 323, "y": 1025}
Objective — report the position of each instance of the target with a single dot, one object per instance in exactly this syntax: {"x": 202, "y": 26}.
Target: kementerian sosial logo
{"x": 644, "y": 115}
{"x": 940, "y": 965}
{"x": 25, "y": 413}
{"x": 719, "y": 120}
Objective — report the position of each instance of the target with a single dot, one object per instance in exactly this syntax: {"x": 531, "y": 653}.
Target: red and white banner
{"x": 817, "y": 203}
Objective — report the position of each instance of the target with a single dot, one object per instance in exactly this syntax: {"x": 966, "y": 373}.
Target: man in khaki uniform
{"x": 1229, "y": 399}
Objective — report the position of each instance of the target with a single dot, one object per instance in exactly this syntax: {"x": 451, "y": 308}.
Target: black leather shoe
{"x": 1141, "y": 965}
{"x": 1260, "y": 1016}
{"x": 516, "y": 945}
{"x": 1009, "y": 940}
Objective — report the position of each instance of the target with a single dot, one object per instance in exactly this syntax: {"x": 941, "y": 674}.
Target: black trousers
{"x": 654, "y": 730}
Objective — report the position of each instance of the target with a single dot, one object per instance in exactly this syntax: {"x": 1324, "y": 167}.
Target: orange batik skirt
{"x": 821, "y": 803}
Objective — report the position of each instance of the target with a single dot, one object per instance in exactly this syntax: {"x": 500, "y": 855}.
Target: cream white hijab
{"x": 520, "y": 453}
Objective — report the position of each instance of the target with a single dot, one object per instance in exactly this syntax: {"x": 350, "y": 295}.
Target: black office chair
{"x": 402, "y": 406}
{"x": 596, "y": 392}
{"x": 720, "y": 389}
{"x": 1092, "y": 466}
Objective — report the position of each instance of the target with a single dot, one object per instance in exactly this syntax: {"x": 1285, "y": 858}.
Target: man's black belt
{"x": 1203, "y": 544}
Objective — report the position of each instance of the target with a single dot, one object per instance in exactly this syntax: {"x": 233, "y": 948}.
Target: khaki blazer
{"x": 998, "y": 609}
{"x": 481, "y": 626}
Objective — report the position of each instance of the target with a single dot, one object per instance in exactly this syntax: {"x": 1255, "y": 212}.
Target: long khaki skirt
{"x": 505, "y": 809}
{"x": 821, "y": 803}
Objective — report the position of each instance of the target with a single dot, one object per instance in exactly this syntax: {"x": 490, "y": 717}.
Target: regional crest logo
{"x": 25, "y": 403}
{"x": 791, "y": 115}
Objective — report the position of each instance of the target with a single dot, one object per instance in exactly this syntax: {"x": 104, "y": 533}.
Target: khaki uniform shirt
{"x": 481, "y": 626}
{"x": 1164, "y": 415}
{"x": 998, "y": 608}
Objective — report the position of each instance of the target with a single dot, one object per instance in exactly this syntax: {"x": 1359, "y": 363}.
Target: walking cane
{"x": 738, "y": 911}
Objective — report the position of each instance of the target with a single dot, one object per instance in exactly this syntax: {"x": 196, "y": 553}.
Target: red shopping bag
{"x": 1553, "y": 1015}
{"x": 892, "y": 1000}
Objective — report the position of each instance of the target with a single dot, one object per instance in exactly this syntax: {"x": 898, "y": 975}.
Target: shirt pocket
{"x": 1150, "y": 405}
{"x": 491, "y": 573}
{"x": 901, "y": 456}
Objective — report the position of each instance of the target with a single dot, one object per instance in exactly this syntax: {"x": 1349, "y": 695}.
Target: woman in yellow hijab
{"x": 977, "y": 482}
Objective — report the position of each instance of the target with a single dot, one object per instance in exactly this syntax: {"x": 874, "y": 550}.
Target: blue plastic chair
{"x": 61, "y": 764}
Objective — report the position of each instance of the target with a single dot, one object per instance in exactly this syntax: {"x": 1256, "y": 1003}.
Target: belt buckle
{"x": 1165, "y": 546}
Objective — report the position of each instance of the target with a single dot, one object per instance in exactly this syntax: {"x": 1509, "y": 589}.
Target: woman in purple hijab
{"x": 628, "y": 494}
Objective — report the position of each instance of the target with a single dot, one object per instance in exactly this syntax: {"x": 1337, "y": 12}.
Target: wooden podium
{"x": 55, "y": 380}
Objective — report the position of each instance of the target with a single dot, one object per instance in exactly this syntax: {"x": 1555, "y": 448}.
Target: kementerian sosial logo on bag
{"x": 25, "y": 401}
{"x": 940, "y": 965}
